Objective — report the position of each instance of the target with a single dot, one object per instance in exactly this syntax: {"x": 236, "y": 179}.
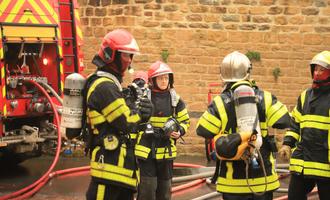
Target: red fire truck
{"x": 40, "y": 45}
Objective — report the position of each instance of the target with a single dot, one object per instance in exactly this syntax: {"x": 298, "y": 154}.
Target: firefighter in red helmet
{"x": 156, "y": 148}
{"x": 110, "y": 120}
{"x": 238, "y": 120}
{"x": 309, "y": 135}
{"x": 140, "y": 78}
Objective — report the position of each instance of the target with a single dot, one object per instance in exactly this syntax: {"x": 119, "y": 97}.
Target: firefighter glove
{"x": 145, "y": 109}
{"x": 285, "y": 152}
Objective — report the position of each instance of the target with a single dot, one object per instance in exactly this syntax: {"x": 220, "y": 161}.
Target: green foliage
{"x": 164, "y": 54}
{"x": 276, "y": 72}
{"x": 253, "y": 55}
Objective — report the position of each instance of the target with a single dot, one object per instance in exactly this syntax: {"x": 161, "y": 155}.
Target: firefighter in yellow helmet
{"x": 110, "y": 120}
{"x": 156, "y": 148}
{"x": 309, "y": 135}
{"x": 238, "y": 121}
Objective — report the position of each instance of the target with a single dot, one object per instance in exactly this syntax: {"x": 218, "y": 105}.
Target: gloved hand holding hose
{"x": 285, "y": 152}
{"x": 145, "y": 109}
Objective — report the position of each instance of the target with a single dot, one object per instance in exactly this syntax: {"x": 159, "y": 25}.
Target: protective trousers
{"x": 155, "y": 180}
{"x": 300, "y": 186}
{"x": 229, "y": 196}
{"x": 99, "y": 191}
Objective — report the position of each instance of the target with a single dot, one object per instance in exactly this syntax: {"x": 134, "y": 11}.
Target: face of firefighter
{"x": 321, "y": 73}
{"x": 162, "y": 81}
{"x": 126, "y": 60}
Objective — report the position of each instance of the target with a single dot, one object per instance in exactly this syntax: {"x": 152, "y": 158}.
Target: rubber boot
{"x": 147, "y": 188}
{"x": 164, "y": 189}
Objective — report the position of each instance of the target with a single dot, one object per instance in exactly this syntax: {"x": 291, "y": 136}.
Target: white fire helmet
{"x": 235, "y": 67}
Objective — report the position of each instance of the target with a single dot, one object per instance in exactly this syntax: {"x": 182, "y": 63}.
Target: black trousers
{"x": 99, "y": 191}
{"x": 155, "y": 179}
{"x": 300, "y": 186}
{"x": 230, "y": 196}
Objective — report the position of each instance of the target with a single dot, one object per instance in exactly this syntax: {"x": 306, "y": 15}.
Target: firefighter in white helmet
{"x": 238, "y": 121}
{"x": 110, "y": 120}
{"x": 309, "y": 135}
{"x": 156, "y": 149}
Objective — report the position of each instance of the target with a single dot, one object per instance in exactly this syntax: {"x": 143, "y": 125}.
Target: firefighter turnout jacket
{"x": 220, "y": 119}
{"x": 309, "y": 134}
{"x": 110, "y": 120}
{"x": 157, "y": 145}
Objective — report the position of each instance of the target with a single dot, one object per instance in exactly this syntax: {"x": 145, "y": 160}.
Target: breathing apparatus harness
{"x": 245, "y": 144}
{"x": 110, "y": 141}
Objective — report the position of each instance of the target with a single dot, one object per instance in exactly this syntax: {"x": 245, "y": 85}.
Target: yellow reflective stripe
{"x": 273, "y": 109}
{"x": 302, "y": 98}
{"x": 158, "y": 119}
{"x": 264, "y": 129}
{"x": 317, "y": 172}
{"x": 296, "y": 165}
{"x": 263, "y": 125}
{"x": 114, "y": 177}
{"x": 113, "y": 106}
{"x": 317, "y": 165}
{"x": 275, "y": 117}
{"x": 111, "y": 168}
{"x": 118, "y": 108}
{"x": 310, "y": 168}
{"x": 182, "y": 113}
{"x": 158, "y": 122}
{"x": 240, "y": 185}
{"x": 95, "y": 117}
{"x": 184, "y": 126}
{"x": 230, "y": 170}
{"x": 100, "y": 192}
{"x": 222, "y": 111}
{"x": 141, "y": 151}
{"x": 183, "y": 118}
{"x": 122, "y": 155}
{"x": 163, "y": 152}
{"x": 207, "y": 124}
{"x": 95, "y": 150}
{"x": 133, "y": 135}
{"x": 95, "y": 84}
{"x": 293, "y": 134}
{"x": 316, "y": 118}
{"x": 268, "y": 103}
{"x": 160, "y": 156}
{"x": 329, "y": 143}
{"x": 296, "y": 115}
{"x": 316, "y": 125}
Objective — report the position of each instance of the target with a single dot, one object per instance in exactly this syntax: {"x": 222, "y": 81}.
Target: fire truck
{"x": 40, "y": 45}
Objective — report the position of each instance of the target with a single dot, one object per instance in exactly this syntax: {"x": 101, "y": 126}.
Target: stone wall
{"x": 197, "y": 34}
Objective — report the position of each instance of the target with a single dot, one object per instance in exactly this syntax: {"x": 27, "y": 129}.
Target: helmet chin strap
{"x": 320, "y": 83}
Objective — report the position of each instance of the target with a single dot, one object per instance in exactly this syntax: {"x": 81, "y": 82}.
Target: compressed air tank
{"x": 247, "y": 112}
{"x": 71, "y": 120}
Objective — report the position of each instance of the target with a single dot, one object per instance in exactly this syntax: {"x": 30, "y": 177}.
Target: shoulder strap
{"x": 110, "y": 76}
{"x": 174, "y": 101}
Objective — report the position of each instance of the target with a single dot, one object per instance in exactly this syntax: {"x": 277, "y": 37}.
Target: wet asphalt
{"x": 74, "y": 187}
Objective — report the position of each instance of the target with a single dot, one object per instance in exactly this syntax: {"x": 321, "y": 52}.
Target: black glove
{"x": 145, "y": 109}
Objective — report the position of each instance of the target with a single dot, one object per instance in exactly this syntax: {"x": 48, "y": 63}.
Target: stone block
{"x": 152, "y": 6}
{"x": 199, "y": 9}
{"x": 292, "y": 10}
{"x": 231, "y": 18}
{"x": 310, "y": 11}
{"x": 275, "y": 10}
{"x": 247, "y": 27}
{"x": 218, "y": 9}
{"x": 194, "y": 17}
{"x": 170, "y": 8}
{"x": 101, "y": 12}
